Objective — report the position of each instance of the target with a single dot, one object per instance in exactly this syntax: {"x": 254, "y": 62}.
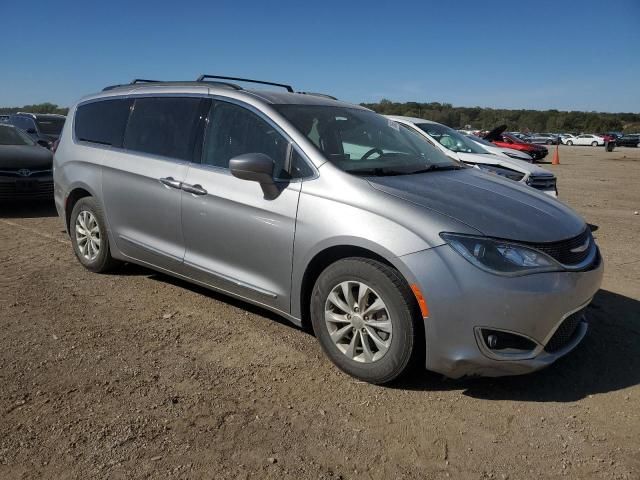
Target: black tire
{"x": 103, "y": 262}
{"x": 569, "y": 143}
{"x": 594, "y": 144}
{"x": 407, "y": 337}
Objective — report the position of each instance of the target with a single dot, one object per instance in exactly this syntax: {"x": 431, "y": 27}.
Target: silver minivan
{"x": 332, "y": 216}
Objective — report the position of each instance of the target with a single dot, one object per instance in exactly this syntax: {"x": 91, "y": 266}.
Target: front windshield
{"x": 50, "y": 125}
{"x": 13, "y": 136}
{"x": 362, "y": 142}
{"x": 450, "y": 138}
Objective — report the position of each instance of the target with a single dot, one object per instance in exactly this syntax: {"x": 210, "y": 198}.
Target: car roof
{"x": 39, "y": 115}
{"x": 215, "y": 85}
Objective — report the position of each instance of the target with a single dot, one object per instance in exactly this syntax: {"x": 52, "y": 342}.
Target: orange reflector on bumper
{"x": 421, "y": 301}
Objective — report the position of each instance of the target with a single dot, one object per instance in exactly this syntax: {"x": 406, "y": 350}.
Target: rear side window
{"x": 165, "y": 126}
{"x": 102, "y": 122}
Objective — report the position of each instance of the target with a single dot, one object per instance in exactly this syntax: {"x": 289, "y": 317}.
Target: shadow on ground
{"x": 132, "y": 269}
{"x": 28, "y": 209}
{"x": 607, "y": 360}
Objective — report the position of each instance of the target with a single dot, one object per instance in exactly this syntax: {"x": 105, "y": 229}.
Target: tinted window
{"x": 299, "y": 166}
{"x": 102, "y": 122}
{"x": 233, "y": 130}
{"x": 164, "y": 126}
{"x": 50, "y": 125}
{"x": 23, "y": 122}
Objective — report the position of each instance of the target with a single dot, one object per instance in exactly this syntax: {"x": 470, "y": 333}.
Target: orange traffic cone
{"x": 556, "y": 156}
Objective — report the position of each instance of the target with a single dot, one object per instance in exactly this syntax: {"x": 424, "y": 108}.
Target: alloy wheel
{"x": 358, "y": 321}
{"x": 87, "y": 235}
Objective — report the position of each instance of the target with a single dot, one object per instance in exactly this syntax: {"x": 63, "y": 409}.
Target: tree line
{"x": 476, "y": 117}
{"x": 37, "y": 108}
{"x": 521, "y": 120}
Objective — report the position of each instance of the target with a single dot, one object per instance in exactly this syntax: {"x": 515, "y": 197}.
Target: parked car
{"x": 506, "y": 140}
{"x": 331, "y": 216}
{"x": 25, "y": 167}
{"x": 4, "y": 118}
{"x": 593, "y": 140}
{"x": 463, "y": 149}
{"x": 544, "y": 138}
{"x": 42, "y": 128}
{"x": 565, "y": 137}
{"x": 629, "y": 140}
{"x": 509, "y": 152}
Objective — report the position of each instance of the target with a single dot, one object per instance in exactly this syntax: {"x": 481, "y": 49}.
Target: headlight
{"x": 501, "y": 171}
{"x": 500, "y": 257}
{"x": 518, "y": 157}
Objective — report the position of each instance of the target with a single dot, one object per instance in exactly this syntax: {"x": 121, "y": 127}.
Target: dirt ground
{"x": 135, "y": 374}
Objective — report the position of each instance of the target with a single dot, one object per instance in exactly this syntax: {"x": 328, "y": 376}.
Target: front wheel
{"x": 569, "y": 143}
{"x": 366, "y": 319}
{"x": 594, "y": 144}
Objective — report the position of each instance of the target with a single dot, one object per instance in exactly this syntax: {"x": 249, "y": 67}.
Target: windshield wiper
{"x": 376, "y": 171}
{"x": 383, "y": 171}
{"x": 437, "y": 168}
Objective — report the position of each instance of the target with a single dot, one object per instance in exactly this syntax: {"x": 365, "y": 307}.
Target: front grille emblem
{"x": 581, "y": 248}
{"x": 24, "y": 172}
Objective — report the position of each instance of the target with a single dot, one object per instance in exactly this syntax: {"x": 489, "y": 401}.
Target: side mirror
{"x": 31, "y": 130}
{"x": 255, "y": 167}
{"x": 44, "y": 143}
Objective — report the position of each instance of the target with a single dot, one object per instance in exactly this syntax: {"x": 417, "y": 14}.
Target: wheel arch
{"x": 75, "y": 194}
{"x": 325, "y": 257}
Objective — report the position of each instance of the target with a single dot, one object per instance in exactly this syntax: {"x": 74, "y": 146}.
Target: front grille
{"x": 561, "y": 251}
{"x": 542, "y": 182}
{"x": 27, "y": 189}
{"x": 565, "y": 332}
{"x": 32, "y": 173}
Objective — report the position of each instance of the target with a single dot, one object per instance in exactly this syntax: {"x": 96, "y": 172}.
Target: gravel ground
{"x": 135, "y": 374}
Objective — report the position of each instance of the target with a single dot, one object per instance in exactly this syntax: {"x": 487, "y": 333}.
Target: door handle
{"x": 195, "y": 189}
{"x": 170, "y": 182}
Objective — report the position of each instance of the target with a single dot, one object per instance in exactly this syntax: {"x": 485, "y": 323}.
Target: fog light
{"x": 498, "y": 340}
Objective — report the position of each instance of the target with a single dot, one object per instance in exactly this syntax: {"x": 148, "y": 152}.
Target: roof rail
{"x": 143, "y": 80}
{"x": 315, "y": 94}
{"x": 203, "y": 78}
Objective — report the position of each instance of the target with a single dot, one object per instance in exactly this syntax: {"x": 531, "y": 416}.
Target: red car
{"x": 501, "y": 139}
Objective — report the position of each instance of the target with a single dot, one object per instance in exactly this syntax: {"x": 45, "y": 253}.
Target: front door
{"x": 236, "y": 240}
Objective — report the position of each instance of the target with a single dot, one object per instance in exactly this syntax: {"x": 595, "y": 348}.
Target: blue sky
{"x": 569, "y": 55}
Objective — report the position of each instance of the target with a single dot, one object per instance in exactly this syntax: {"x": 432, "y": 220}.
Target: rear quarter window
{"x": 102, "y": 122}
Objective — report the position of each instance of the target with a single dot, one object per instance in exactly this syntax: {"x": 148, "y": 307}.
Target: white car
{"x": 593, "y": 140}
{"x": 461, "y": 148}
{"x": 565, "y": 137}
{"x": 508, "y": 152}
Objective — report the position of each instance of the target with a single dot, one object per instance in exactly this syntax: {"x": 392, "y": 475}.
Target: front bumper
{"x": 35, "y": 187}
{"x": 463, "y": 299}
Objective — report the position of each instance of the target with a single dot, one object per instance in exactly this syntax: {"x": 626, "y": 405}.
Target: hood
{"x": 14, "y": 157}
{"x": 507, "y": 162}
{"x": 494, "y": 206}
{"x": 494, "y": 134}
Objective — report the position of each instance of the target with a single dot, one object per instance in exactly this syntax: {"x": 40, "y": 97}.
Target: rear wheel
{"x": 594, "y": 144}
{"x": 366, "y": 319}
{"x": 89, "y": 236}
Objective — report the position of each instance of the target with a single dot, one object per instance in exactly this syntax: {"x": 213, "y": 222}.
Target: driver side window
{"x": 233, "y": 130}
